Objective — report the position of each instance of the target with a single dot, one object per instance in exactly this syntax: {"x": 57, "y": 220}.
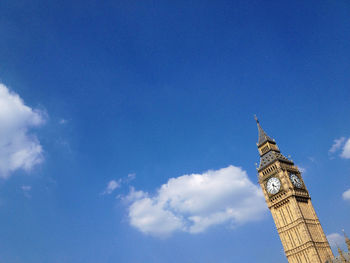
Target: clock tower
{"x": 290, "y": 204}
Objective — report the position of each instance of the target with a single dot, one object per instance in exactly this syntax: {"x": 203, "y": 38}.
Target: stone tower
{"x": 347, "y": 241}
{"x": 290, "y": 204}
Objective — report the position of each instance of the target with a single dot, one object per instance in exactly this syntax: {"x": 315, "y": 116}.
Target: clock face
{"x": 295, "y": 180}
{"x": 273, "y": 185}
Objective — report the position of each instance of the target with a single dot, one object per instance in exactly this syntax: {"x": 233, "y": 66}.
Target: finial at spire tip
{"x": 256, "y": 119}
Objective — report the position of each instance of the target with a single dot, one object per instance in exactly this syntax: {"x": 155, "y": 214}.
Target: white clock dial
{"x": 295, "y": 180}
{"x": 273, "y": 185}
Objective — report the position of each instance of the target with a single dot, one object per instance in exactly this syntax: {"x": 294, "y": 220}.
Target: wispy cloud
{"x": 26, "y": 190}
{"x": 26, "y": 187}
{"x": 346, "y": 150}
{"x": 337, "y": 144}
{"x": 193, "y": 203}
{"x": 131, "y": 177}
{"x": 335, "y": 239}
{"x": 346, "y": 195}
{"x": 111, "y": 186}
{"x": 62, "y": 121}
{"x": 19, "y": 149}
{"x": 114, "y": 184}
{"x": 343, "y": 145}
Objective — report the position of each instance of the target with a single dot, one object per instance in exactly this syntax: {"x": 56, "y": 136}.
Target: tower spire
{"x": 263, "y": 137}
{"x": 268, "y": 149}
{"x": 347, "y": 240}
{"x": 342, "y": 258}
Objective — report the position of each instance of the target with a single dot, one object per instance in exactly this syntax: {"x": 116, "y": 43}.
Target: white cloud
{"x": 111, "y": 186}
{"x": 130, "y": 177}
{"x": 335, "y": 239}
{"x": 151, "y": 217}
{"x": 346, "y": 150}
{"x": 195, "y": 202}
{"x": 337, "y": 144}
{"x": 133, "y": 195}
{"x": 18, "y": 148}
{"x": 342, "y": 144}
{"x": 346, "y": 195}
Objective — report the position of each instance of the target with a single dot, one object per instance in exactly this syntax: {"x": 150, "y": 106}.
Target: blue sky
{"x": 113, "y": 113}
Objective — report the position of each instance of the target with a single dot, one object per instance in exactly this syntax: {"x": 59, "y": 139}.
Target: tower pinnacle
{"x": 347, "y": 240}
{"x": 268, "y": 149}
{"x": 342, "y": 258}
{"x": 263, "y": 137}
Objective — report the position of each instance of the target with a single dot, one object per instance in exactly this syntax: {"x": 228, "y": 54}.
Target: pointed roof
{"x": 272, "y": 156}
{"x": 347, "y": 240}
{"x": 263, "y": 137}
